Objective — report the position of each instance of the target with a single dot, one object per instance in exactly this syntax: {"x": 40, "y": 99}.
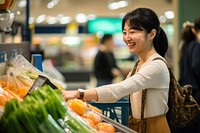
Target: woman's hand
{"x": 70, "y": 94}
{"x": 89, "y": 94}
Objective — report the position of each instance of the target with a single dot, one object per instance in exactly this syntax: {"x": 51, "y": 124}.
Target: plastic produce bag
{"x": 51, "y": 71}
{"x": 6, "y": 96}
{"x": 19, "y": 62}
{"x": 18, "y": 82}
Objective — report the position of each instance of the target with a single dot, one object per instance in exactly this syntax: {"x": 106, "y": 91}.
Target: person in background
{"x": 105, "y": 67}
{"x": 144, "y": 36}
{"x": 190, "y": 59}
{"x": 187, "y": 36}
{"x": 190, "y": 66}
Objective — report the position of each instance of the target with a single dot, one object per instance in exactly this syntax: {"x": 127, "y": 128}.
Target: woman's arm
{"x": 150, "y": 76}
{"x": 89, "y": 94}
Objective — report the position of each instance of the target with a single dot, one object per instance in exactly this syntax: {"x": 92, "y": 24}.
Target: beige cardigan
{"x": 153, "y": 76}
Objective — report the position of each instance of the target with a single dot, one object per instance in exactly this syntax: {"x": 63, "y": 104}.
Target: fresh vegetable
{"x": 43, "y": 111}
{"x": 6, "y": 96}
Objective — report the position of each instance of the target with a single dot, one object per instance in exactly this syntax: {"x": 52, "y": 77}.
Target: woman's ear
{"x": 153, "y": 34}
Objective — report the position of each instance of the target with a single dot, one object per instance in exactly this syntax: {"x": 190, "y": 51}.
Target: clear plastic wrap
{"x": 6, "y": 96}
{"x": 19, "y": 62}
{"x": 18, "y": 82}
{"x": 93, "y": 117}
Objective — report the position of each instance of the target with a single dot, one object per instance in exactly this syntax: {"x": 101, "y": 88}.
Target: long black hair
{"x": 146, "y": 19}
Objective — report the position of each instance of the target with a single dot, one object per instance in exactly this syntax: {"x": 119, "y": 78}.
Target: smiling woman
{"x": 148, "y": 86}
{"x": 144, "y": 30}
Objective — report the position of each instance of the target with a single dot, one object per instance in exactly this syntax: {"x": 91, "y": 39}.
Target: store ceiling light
{"x": 52, "y": 3}
{"x": 162, "y": 19}
{"x": 117, "y": 5}
{"x": 81, "y": 18}
{"x": 122, "y": 4}
{"x": 22, "y": 3}
{"x": 59, "y": 16}
{"x": 65, "y": 20}
{"x": 51, "y": 20}
{"x": 91, "y": 16}
{"x": 169, "y": 14}
{"x": 40, "y": 19}
{"x": 113, "y": 6}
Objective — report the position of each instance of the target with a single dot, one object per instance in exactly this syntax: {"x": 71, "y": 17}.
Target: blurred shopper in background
{"x": 105, "y": 67}
{"x": 187, "y": 36}
{"x": 190, "y": 66}
{"x": 190, "y": 58}
{"x": 144, "y": 36}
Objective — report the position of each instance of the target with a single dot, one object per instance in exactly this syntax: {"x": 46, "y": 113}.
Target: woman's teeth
{"x": 131, "y": 44}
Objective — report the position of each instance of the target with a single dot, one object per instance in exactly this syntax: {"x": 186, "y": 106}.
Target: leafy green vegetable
{"x": 41, "y": 111}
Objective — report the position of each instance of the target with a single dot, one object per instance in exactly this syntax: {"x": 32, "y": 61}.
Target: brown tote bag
{"x": 157, "y": 124}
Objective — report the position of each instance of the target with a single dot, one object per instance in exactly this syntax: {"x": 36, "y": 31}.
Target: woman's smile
{"x": 131, "y": 45}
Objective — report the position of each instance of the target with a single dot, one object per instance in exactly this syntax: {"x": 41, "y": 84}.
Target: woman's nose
{"x": 127, "y": 37}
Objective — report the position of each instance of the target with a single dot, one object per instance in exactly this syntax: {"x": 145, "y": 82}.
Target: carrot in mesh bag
{"x": 6, "y": 96}
{"x": 20, "y": 62}
{"x": 3, "y": 82}
{"x": 15, "y": 85}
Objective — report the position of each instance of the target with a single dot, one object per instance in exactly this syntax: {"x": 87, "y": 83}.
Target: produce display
{"x": 19, "y": 78}
{"x": 44, "y": 110}
{"x": 90, "y": 115}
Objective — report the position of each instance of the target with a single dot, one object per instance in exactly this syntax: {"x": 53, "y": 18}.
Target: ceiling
{"x": 97, "y": 7}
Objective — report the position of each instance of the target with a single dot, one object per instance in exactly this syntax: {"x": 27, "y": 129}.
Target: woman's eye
{"x": 124, "y": 33}
{"x": 132, "y": 32}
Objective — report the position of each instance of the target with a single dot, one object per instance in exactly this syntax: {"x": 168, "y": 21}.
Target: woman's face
{"x": 136, "y": 40}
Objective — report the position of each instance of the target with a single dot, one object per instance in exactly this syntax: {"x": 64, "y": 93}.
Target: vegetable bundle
{"x": 43, "y": 111}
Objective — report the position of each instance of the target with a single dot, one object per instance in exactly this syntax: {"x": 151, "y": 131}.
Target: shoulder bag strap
{"x": 143, "y": 122}
{"x": 135, "y": 67}
{"x": 143, "y": 103}
{"x": 143, "y": 94}
{"x": 132, "y": 73}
